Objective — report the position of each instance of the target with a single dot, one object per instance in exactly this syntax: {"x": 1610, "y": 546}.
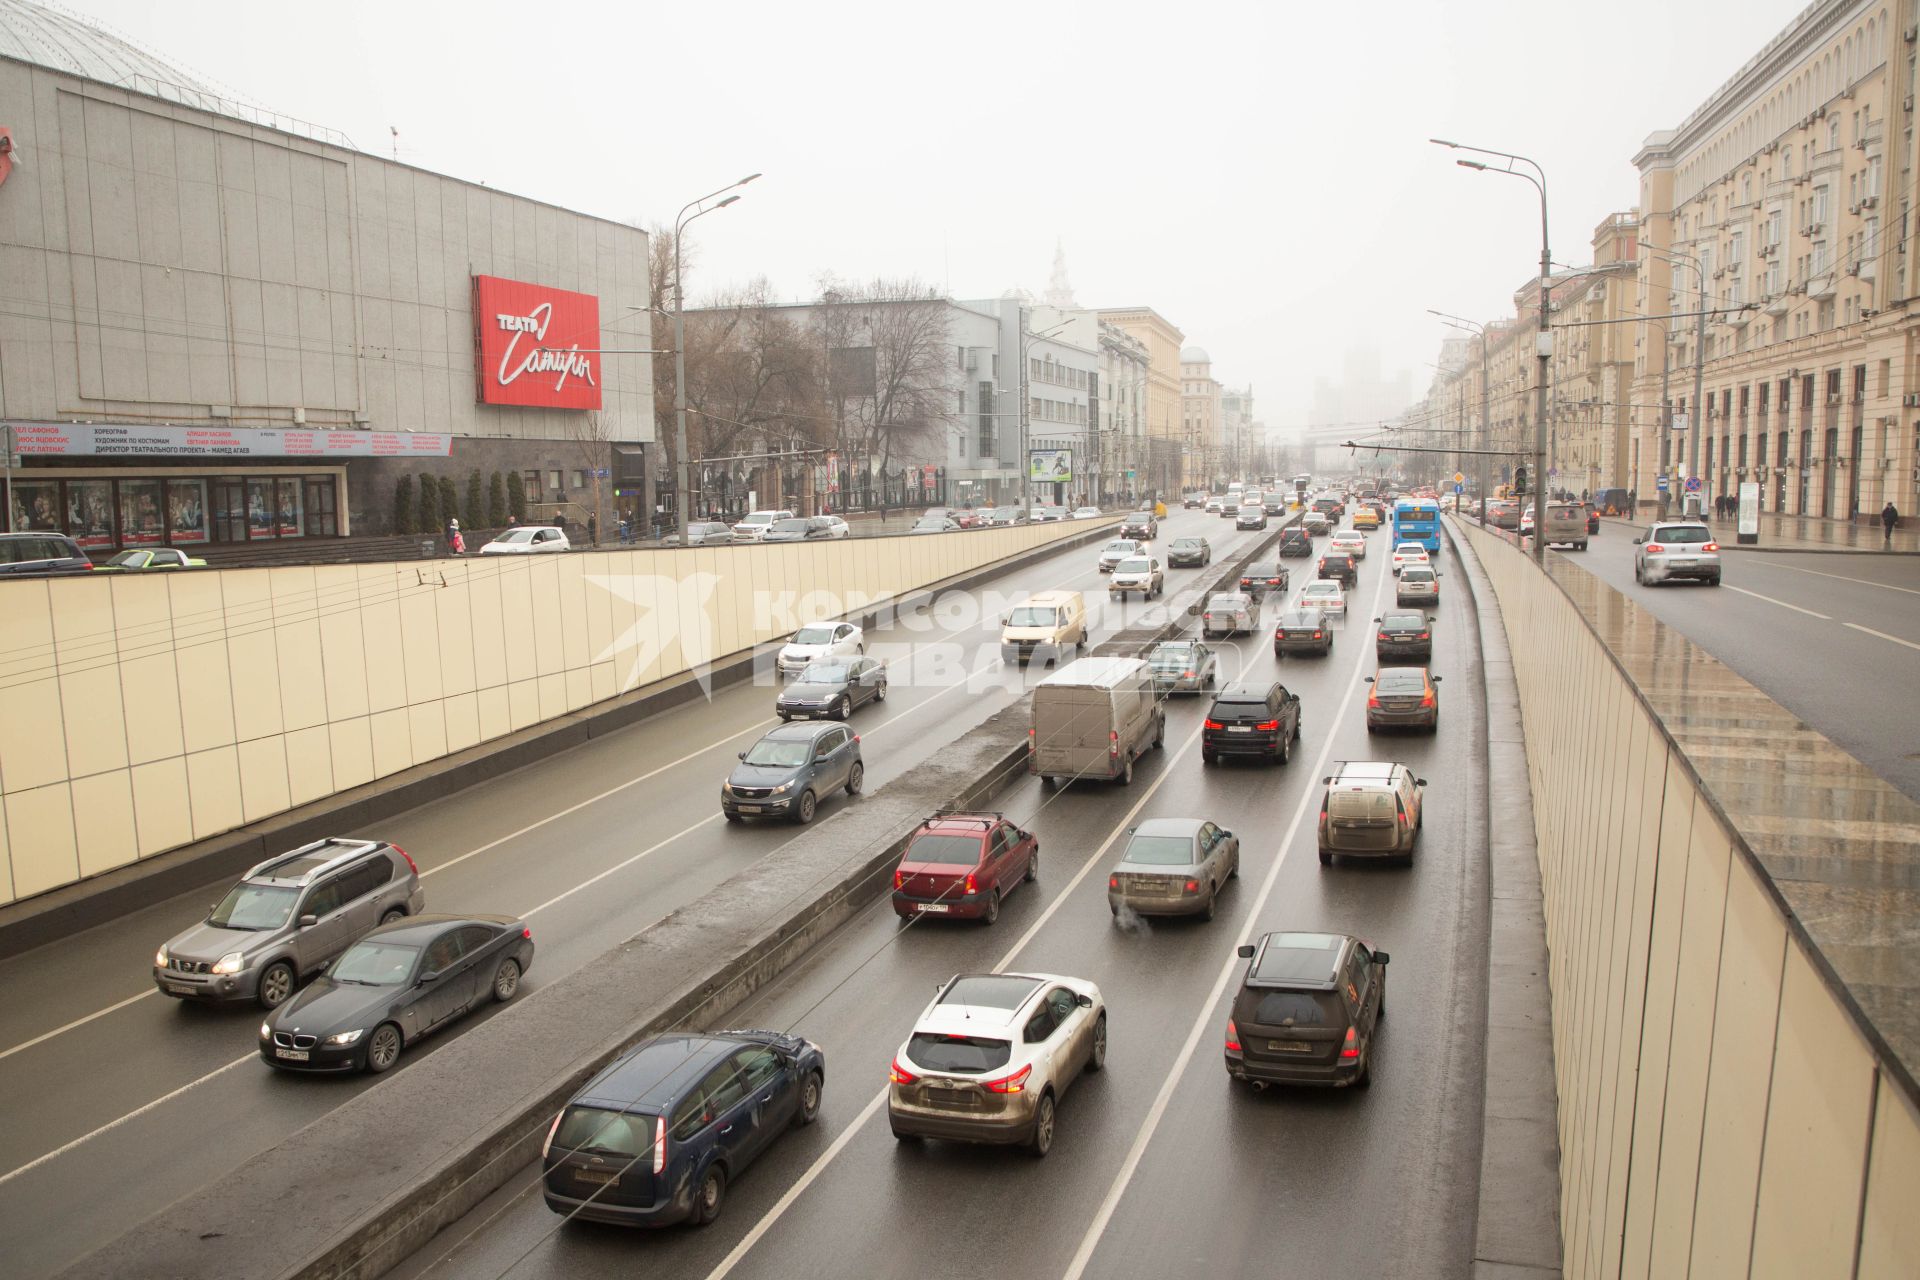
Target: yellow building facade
{"x": 1162, "y": 339}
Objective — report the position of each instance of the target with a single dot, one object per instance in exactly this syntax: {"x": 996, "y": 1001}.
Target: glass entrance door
{"x": 229, "y": 511}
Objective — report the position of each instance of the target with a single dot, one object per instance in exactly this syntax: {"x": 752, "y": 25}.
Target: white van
{"x": 1093, "y": 718}
{"x": 1045, "y": 626}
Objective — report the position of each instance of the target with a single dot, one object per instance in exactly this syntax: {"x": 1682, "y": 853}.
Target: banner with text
{"x": 118, "y": 440}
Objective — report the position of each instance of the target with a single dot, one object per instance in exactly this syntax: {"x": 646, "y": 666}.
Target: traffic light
{"x": 1519, "y": 479}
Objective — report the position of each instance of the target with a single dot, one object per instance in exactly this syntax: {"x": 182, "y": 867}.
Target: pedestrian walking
{"x": 452, "y": 534}
{"x": 593, "y": 528}
{"x": 458, "y": 544}
{"x": 1889, "y": 518}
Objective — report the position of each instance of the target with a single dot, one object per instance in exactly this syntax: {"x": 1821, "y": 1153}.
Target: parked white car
{"x": 756, "y": 523}
{"x": 1407, "y": 553}
{"x": 1324, "y": 594}
{"x": 1086, "y": 513}
{"x": 839, "y": 527}
{"x": 820, "y": 640}
{"x": 527, "y": 539}
{"x": 991, "y": 1057}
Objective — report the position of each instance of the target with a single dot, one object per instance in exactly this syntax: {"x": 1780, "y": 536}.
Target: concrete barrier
{"x": 1731, "y": 955}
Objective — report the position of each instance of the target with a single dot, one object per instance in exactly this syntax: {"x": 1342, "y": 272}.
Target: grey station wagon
{"x": 786, "y": 773}
{"x": 286, "y": 919}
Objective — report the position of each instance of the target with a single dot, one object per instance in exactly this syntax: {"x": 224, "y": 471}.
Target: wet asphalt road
{"x": 116, "y": 1102}
{"x": 1835, "y": 639}
{"x": 1377, "y": 1183}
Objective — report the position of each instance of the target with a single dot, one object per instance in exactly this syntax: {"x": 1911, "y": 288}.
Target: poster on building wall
{"x": 1047, "y": 466}
{"x": 535, "y": 345}
{"x": 97, "y": 440}
{"x": 927, "y": 474}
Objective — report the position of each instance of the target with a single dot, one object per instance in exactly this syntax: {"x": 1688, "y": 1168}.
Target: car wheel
{"x": 804, "y": 813}
{"x": 1365, "y": 1077}
{"x": 880, "y": 692}
{"x": 1160, "y": 733}
{"x": 1714, "y": 581}
{"x": 785, "y": 718}
{"x": 1285, "y": 754}
{"x": 1033, "y": 868}
{"x": 1639, "y": 578}
{"x": 1235, "y": 873}
{"x": 276, "y": 984}
{"x": 1097, "y": 1058}
{"x": 392, "y": 914}
{"x": 1047, "y": 782}
{"x": 730, "y": 815}
{"x": 506, "y": 980}
{"x": 383, "y": 1048}
{"x": 707, "y": 1201}
{"x": 1296, "y": 731}
{"x": 898, "y": 1136}
{"x": 1126, "y": 772}
{"x": 809, "y": 1101}
{"x": 1326, "y": 857}
{"x": 1206, "y": 757}
{"x": 842, "y": 709}
{"x": 992, "y": 913}
{"x": 1042, "y": 1140}
{"x": 861, "y": 649}
{"x": 856, "y": 778}
{"x": 1213, "y": 897}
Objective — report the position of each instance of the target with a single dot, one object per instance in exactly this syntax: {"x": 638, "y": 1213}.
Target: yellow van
{"x": 1047, "y": 625}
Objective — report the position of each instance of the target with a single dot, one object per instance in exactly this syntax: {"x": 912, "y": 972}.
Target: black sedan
{"x": 833, "y": 688}
{"x": 1262, "y": 578}
{"x": 1340, "y": 568}
{"x": 402, "y": 981}
{"x": 1404, "y": 635}
{"x": 1302, "y": 631}
{"x": 1189, "y": 553}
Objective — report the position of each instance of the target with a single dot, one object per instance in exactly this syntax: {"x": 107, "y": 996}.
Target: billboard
{"x": 112, "y": 440}
{"x": 535, "y": 346}
{"x": 1048, "y": 466}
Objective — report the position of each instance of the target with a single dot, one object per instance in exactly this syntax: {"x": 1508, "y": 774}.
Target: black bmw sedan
{"x": 400, "y": 982}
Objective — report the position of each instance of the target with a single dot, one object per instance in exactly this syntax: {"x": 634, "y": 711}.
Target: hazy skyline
{"x": 1259, "y": 174}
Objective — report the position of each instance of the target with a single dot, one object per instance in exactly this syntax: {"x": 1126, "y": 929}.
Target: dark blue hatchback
{"x": 656, "y": 1137}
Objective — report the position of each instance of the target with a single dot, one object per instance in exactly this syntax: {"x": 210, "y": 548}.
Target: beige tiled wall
{"x": 141, "y": 713}
{"x": 1720, "y": 1112}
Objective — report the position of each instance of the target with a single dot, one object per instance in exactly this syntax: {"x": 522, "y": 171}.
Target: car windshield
{"x": 1693, "y": 534}
{"x": 944, "y": 850}
{"x": 758, "y": 517}
{"x": 958, "y": 1053}
{"x": 1161, "y": 851}
{"x": 374, "y": 963}
{"x": 1289, "y": 1008}
{"x": 777, "y": 752}
{"x": 1186, "y": 544}
{"x": 254, "y": 906}
{"x": 603, "y": 1132}
{"x": 1133, "y": 564}
{"x": 932, "y": 522}
{"x": 1227, "y": 604}
{"x": 1122, "y": 547}
{"x": 789, "y": 526}
{"x": 1415, "y": 574}
{"x": 1168, "y": 655}
{"x": 516, "y": 536}
{"x": 1410, "y": 549}
{"x": 813, "y": 635}
{"x": 1318, "y": 590}
{"x": 1028, "y": 615}
{"x": 130, "y": 558}
{"x": 1400, "y": 682}
{"x": 1403, "y": 622}
{"x": 1300, "y": 618}
{"x": 824, "y": 673}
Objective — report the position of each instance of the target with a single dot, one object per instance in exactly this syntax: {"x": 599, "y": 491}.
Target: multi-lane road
{"x": 115, "y": 1102}
{"x": 1160, "y": 1167}
{"x": 1835, "y": 639}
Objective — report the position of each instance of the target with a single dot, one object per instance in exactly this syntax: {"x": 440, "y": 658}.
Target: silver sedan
{"x": 1183, "y": 666}
{"x": 1173, "y": 867}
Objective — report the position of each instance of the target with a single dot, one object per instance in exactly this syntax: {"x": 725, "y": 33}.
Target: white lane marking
{"x": 77, "y": 1022}
{"x": 35, "y": 1163}
{"x": 819, "y": 1166}
{"x": 1205, "y": 1018}
{"x": 1883, "y": 635}
{"x": 1766, "y": 563}
{"x": 1782, "y": 603}
{"x": 621, "y": 866}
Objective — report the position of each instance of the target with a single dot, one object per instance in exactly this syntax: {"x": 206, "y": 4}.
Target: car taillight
{"x": 1400, "y": 810}
{"x": 1426, "y": 699}
{"x": 1015, "y": 1083}
{"x": 1267, "y": 726}
{"x": 970, "y": 886}
{"x": 1031, "y": 747}
{"x": 551, "y": 1130}
{"x": 1711, "y": 546}
{"x": 526, "y": 931}
{"x": 1193, "y": 886}
{"x": 1424, "y": 635}
{"x": 1350, "y": 1049}
{"x": 1113, "y": 742}
{"x": 1186, "y": 675}
{"x": 1273, "y": 582}
{"x": 1373, "y": 700}
{"x": 1207, "y": 617}
{"x": 409, "y": 857}
{"x": 1113, "y": 882}
{"x": 1317, "y": 635}
{"x": 900, "y": 1075}
{"x": 1233, "y": 1037}
{"x": 1654, "y": 548}
{"x": 1213, "y": 724}
{"x": 659, "y": 1145}
{"x": 899, "y": 878}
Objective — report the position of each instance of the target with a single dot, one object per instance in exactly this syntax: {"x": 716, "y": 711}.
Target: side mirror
{"x": 1638, "y": 541}
{"x": 741, "y": 754}
{"x": 1419, "y": 782}
{"x": 1435, "y": 679}
{"x": 1381, "y": 957}
{"x": 1085, "y": 1002}
{"x": 307, "y": 922}
{"x": 431, "y": 975}
{"x": 1369, "y": 679}
{"x": 1244, "y": 951}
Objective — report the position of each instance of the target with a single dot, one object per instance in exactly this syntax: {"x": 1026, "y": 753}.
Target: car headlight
{"x": 726, "y": 788}
{"x": 230, "y": 963}
{"x": 160, "y": 958}
{"x": 785, "y": 786}
{"x": 344, "y": 1038}
{"x": 266, "y": 1032}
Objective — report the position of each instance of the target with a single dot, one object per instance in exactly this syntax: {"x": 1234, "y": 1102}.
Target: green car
{"x": 156, "y": 558}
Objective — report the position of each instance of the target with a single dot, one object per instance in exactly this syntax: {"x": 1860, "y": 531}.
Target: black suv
{"x": 1141, "y": 524}
{"x": 1340, "y": 567}
{"x": 1258, "y": 581}
{"x": 1295, "y": 543}
{"x": 1306, "y": 1011}
{"x": 1404, "y": 634}
{"x": 1252, "y": 722}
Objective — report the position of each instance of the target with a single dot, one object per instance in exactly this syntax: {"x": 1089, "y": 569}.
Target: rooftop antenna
{"x": 395, "y": 131}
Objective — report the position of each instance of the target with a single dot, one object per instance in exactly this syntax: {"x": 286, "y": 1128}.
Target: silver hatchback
{"x": 1680, "y": 549}
{"x": 287, "y": 918}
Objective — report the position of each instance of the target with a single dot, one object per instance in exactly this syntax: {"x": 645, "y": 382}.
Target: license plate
{"x": 1289, "y": 1046}
{"x": 605, "y": 1177}
{"x": 1683, "y": 560}
{"x": 1239, "y": 728}
{"x": 291, "y": 1055}
{"x": 752, "y": 808}
{"x": 181, "y": 989}
{"x": 937, "y": 908}
{"x": 950, "y": 1097}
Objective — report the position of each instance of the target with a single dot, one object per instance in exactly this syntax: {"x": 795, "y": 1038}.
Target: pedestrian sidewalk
{"x": 1804, "y": 534}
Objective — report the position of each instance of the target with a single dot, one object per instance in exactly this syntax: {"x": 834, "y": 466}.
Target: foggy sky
{"x": 1259, "y": 173}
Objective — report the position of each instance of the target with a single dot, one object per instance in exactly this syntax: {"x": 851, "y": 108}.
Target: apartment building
{"x": 1202, "y": 421}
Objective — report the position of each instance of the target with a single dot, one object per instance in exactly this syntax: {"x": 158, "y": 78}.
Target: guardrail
{"x": 1732, "y": 970}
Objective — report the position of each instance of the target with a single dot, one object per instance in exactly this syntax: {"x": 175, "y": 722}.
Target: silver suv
{"x": 1676, "y": 549}
{"x": 286, "y": 919}
{"x": 1371, "y": 808}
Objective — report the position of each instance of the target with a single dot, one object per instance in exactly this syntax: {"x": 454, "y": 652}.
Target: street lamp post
{"x": 683, "y": 471}
{"x": 1543, "y": 341}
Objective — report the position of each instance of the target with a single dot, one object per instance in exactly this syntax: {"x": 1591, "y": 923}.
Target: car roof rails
{"x": 347, "y": 851}
{"x": 985, "y": 817}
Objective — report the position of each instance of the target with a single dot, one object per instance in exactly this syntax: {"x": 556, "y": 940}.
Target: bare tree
{"x": 887, "y": 345}
{"x": 593, "y": 442}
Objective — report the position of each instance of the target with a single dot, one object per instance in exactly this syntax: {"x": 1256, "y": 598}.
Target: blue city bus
{"x": 1418, "y": 520}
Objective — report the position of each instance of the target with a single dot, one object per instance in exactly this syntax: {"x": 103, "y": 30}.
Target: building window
{"x": 553, "y": 481}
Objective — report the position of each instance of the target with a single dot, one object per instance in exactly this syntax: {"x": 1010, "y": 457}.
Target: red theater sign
{"x": 536, "y": 346}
